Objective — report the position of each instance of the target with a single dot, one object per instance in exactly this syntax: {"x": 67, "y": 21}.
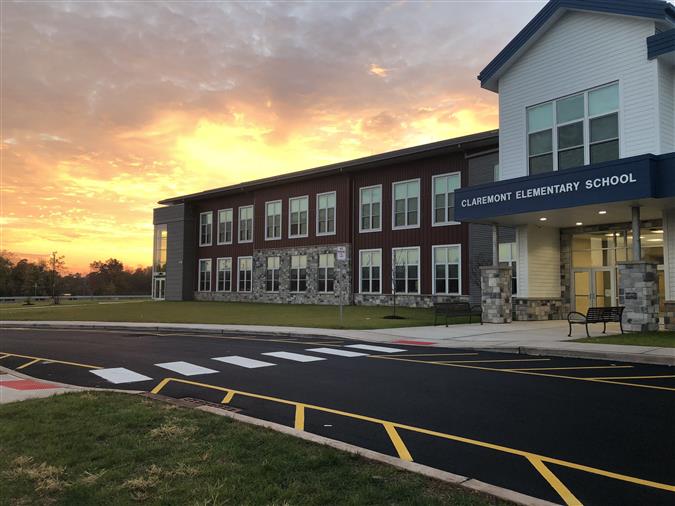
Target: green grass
{"x": 234, "y": 313}
{"x": 108, "y": 448}
{"x": 665, "y": 339}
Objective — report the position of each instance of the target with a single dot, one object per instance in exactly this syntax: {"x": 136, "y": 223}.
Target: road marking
{"x": 553, "y": 480}
{"x": 573, "y": 368}
{"x": 299, "y": 417}
{"x": 375, "y": 348}
{"x": 186, "y": 368}
{"x": 228, "y": 397}
{"x": 494, "y": 361}
{"x": 340, "y": 353}
{"x": 413, "y": 342}
{"x": 28, "y": 364}
{"x": 119, "y": 375}
{"x": 296, "y": 357}
{"x": 248, "y": 363}
{"x": 634, "y": 377}
{"x": 398, "y": 443}
{"x": 77, "y": 364}
{"x": 436, "y": 354}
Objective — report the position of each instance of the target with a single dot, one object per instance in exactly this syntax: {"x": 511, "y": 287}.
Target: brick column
{"x": 639, "y": 293}
{"x": 495, "y": 285}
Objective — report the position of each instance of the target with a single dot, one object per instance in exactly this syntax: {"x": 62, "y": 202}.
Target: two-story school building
{"x": 571, "y": 204}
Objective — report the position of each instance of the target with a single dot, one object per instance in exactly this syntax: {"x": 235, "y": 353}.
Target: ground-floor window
{"x": 370, "y": 262}
{"x": 272, "y": 275}
{"x": 447, "y": 272}
{"x": 298, "y": 273}
{"x": 224, "y": 275}
{"x": 245, "y": 273}
{"x": 406, "y": 270}
{"x": 205, "y": 275}
{"x": 326, "y": 272}
{"x": 507, "y": 258}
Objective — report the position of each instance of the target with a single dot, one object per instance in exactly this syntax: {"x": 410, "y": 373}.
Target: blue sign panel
{"x": 619, "y": 180}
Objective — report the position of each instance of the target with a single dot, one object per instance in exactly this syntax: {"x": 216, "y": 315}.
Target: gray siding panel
{"x": 180, "y": 254}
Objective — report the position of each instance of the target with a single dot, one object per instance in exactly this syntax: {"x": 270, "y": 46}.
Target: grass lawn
{"x": 108, "y": 448}
{"x": 236, "y": 313}
{"x": 664, "y": 339}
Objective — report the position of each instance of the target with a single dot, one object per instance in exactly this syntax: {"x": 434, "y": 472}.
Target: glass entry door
{"x": 594, "y": 288}
{"x": 158, "y": 288}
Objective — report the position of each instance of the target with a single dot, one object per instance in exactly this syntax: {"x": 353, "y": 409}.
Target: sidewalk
{"x": 530, "y": 338}
{"x": 15, "y": 386}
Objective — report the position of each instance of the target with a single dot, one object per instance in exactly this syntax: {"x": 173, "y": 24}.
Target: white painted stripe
{"x": 249, "y": 363}
{"x": 340, "y": 353}
{"x": 186, "y": 368}
{"x": 374, "y": 348}
{"x": 119, "y": 375}
{"x": 297, "y": 357}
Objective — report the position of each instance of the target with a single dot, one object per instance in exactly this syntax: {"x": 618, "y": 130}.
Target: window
{"x": 224, "y": 275}
{"x": 205, "y": 228}
{"x": 325, "y": 213}
{"x": 406, "y": 204}
{"x": 370, "y": 273}
{"x": 298, "y": 273}
{"x": 205, "y": 275}
{"x": 406, "y": 270}
{"x": 297, "y": 217}
{"x": 447, "y": 275}
{"x": 159, "y": 250}
{"x": 225, "y": 226}
{"x": 327, "y": 272}
{"x": 574, "y": 131}
{"x": 507, "y": 257}
{"x": 272, "y": 275}
{"x": 245, "y": 273}
{"x": 370, "y": 208}
{"x": 443, "y": 188}
{"x": 273, "y": 220}
{"x": 246, "y": 224}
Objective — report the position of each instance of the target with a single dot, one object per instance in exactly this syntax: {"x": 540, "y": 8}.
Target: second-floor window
{"x": 245, "y": 274}
{"x": 272, "y": 274}
{"x": 574, "y": 131}
{"x": 224, "y": 275}
{"x": 326, "y": 272}
{"x": 205, "y": 275}
{"x": 444, "y": 187}
{"x": 325, "y": 216}
{"x": 205, "y": 228}
{"x": 273, "y": 220}
{"x": 225, "y": 226}
{"x": 298, "y": 273}
{"x": 246, "y": 224}
{"x": 298, "y": 217}
{"x": 370, "y": 208}
{"x": 406, "y": 204}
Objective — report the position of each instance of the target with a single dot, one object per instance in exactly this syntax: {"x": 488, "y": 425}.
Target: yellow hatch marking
{"x": 553, "y": 480}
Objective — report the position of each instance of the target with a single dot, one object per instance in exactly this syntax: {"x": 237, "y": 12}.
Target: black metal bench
{"x": 451, "y": 309}
{"x": 602, "y": 315}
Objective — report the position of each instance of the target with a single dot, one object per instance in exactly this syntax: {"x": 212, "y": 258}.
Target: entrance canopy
{"x": 593, "y": 194}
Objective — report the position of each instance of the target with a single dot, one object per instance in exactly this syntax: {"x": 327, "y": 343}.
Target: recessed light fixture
{"x": 655, "y": 240}
{"x": 543, "y": 219}
{"x": 657, "y": 231}
{"x": 602, "y": 212}
{"x": 579, "y": 223}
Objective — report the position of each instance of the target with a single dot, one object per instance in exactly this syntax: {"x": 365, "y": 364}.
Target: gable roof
{"x": 652, "y": 9}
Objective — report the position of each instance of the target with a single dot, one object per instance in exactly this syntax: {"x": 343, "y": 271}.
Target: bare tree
{"x": 56, "y": 265}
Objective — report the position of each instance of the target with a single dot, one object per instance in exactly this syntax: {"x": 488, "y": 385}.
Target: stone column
{"x": 495, "y": 284}
{"x": 639, "y": 293}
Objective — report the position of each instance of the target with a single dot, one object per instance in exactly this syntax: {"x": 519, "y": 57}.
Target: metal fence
{"x": 23, "y": 298}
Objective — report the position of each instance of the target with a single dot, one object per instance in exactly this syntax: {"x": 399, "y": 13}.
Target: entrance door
{"x": 594, "y": 288}
{"x": 158, "y": 289}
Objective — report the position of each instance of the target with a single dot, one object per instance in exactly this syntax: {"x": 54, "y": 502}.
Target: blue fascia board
{"x": 653, "y": 9}
{"x": 661, "y": 43}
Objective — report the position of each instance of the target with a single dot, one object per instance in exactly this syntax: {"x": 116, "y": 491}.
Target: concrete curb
{"x": 640, "y": 358}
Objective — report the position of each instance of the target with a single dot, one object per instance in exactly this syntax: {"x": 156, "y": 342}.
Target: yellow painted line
{"x": 299, "y": 417}
{"x": 553, "y": 480}
{"x": 76, "y": 364}
{"x": 461, "y": 439}
{"x": 398, "y": 443}
{"x": 4, "y": 355}
{"x": 433, "y": 354}
{"x": 572, "y": 368}
{"x": 28, "y": 364}
{"x": 493, "y": 361}
{"x": 634, "y": 377}
{"x": 227, "y": 398}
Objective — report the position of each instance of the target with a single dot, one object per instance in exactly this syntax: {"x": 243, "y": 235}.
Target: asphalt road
{"x": 558, "y": 429}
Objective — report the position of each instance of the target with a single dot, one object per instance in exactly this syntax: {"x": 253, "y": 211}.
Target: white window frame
{"x": 281, "y": 221}
{"x": 290, "y": 276}
{"x": 290, "y": 212}
{"x": 372, "y": 250}
{"x": 433, "y": 268}
{"x": 210, "y": 214}
{"x": 419, "y": 270}
{"x": 239, "y": 259}
{"x": 278, "y": 269}
{"x": 393, "y": 205}
{"x": 318, "y": 198}
{"x": 434, "y": 223}
{"x": 514, "y": 259}
{"x": 209, "y": 262}
{"x": 369, "y": 230}
{"x": 320, "y": 276}
{"x": 218, "y": 273}
{"x": 218, "y": 241}
{"x": 239, "y": 240}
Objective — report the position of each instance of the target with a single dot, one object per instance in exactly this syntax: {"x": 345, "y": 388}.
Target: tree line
{"x": 25, "y": 278}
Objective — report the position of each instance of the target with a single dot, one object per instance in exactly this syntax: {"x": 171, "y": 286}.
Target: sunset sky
{"x": 109, "y": 107}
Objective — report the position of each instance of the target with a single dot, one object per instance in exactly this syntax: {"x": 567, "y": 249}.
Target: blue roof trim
{"x": 654, "y": 9}
{"x": 661, "y": 43}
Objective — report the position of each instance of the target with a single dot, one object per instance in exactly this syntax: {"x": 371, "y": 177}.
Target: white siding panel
{"x": 666, "y": 107}
{"x": 669, "y": 240}
{"x": 544, "y": 262}
{"x": 580, "y": 51}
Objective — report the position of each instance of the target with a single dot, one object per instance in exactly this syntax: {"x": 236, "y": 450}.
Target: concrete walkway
{"x": 15, "y": 386}
{"x": 532, "y": 338}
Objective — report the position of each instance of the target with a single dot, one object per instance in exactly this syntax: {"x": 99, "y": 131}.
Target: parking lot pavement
{"x": 564, "y": 430}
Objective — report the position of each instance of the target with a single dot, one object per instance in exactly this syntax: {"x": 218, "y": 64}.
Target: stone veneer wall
{"x": 669, "y": 316}
{"x": 495, "y": 283}
{"x": 528, "y": 309}
{"x": 403, "y": 300}
{"x": 639, "y": 293}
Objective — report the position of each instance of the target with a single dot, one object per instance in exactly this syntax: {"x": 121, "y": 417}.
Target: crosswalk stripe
{"x": 339, "y": 353}
{"x": 119, "y": 375}
{"x": 249, "y": 363}
{"x": 370, "y": 347}
{"x": 297, "y": 357}
{"x": 186, "y": 368}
